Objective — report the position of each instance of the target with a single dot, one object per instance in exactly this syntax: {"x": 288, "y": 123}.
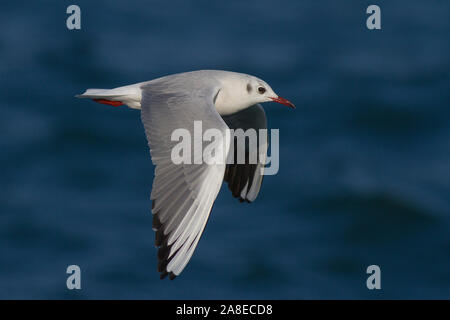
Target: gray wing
{"x": 182, "y": 194}
{"x": 244, "y": 180}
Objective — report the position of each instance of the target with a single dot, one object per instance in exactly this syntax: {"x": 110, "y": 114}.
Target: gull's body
{"x": 183, "y": 194}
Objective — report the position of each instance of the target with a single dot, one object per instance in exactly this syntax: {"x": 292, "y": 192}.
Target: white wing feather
{"x": 183, "y": 194}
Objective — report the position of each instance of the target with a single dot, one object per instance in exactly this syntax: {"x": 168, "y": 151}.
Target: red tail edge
{"x": 109, "y": 102}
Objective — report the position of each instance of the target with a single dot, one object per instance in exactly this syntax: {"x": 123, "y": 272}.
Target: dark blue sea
{"x": 364, "y": 173}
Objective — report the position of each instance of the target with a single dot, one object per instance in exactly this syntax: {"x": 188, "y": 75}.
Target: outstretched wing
{"x": 244, "y": 180}
{"x": 183, "y": 194}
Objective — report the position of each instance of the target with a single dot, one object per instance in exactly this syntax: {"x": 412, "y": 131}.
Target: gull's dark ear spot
{"x": 249, "y": 87}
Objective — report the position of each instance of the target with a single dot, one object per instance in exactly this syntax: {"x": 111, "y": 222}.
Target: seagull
{"x": 183, "y": 194}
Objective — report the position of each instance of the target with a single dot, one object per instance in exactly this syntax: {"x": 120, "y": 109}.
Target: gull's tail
{"x": 128, "y": 95}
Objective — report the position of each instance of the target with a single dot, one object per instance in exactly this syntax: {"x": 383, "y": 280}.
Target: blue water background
{"x": 364, "y": 159}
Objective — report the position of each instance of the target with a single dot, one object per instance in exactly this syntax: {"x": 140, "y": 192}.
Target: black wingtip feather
{"x": 159, "y": 237}
{"x": 161, "y": 241}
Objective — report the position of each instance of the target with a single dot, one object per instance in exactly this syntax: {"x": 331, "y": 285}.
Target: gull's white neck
{"x": 228, "y": 104}
{"x": 232, "y": 97}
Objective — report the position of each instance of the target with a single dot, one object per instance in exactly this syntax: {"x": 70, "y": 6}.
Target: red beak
{"x": 283, "y": 101}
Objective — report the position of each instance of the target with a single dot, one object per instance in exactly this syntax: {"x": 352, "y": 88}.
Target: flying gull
{"x": 183, "y": 194}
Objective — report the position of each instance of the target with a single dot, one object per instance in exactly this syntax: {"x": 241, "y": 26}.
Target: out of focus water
{"x": 364, "y": 159}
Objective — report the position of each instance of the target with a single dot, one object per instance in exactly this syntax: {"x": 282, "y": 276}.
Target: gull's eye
{"x": 261, "y": 90}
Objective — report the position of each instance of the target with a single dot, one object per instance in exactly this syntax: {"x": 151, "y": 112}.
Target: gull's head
{"x": 240, "y": 91}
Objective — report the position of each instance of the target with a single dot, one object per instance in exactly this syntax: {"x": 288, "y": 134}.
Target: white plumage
{"x": 183, "y": 194}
